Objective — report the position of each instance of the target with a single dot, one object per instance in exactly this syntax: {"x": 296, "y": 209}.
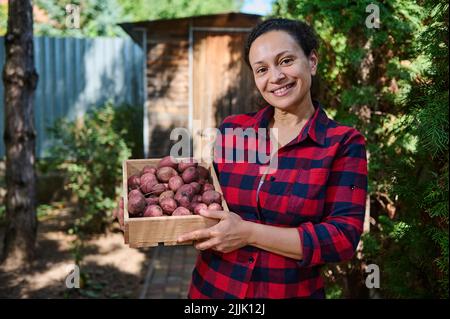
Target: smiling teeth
{"x": 284, "y": 88}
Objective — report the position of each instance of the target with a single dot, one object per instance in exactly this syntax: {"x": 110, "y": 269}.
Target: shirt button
{"x": 251, "y": 260}
{"x": 352, "y": 186}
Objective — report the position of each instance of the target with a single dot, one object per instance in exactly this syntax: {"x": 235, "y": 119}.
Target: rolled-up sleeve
{"x": 336, "y": 237}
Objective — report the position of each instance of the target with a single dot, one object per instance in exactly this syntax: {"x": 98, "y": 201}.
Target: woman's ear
{"x": 313, "y": 62}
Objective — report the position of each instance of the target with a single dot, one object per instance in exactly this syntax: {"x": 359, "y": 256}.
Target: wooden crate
{"x": 151, "y": 231}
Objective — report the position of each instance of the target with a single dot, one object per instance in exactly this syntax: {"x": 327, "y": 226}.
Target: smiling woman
{"x": 282, "y": 228}
{"x": 282, "y": 225}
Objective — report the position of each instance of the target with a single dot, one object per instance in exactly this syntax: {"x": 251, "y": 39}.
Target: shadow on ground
{"x": 112, "y": 269}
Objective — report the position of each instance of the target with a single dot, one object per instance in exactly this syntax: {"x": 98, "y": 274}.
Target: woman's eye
{"x": 260, "y": 70}
{"x": 287, "y": 60}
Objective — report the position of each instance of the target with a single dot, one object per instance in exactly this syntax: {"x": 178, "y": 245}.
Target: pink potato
{"x": 148, "y": 169}
{"x": 134, "y": 193}
{"x": 148, "y": 177}
{"x": 148, "y": 180}
{"x": 203, "y": 173}
{"x": 167, "y": 161}
{"x": 186, "y": 163}
{"x": 199, "y": 206}
{"x": 197, "y": 199}
{"x": 165, "y": 194}
{"x": 152, "y": 200}
{"x": 196, "y": 186}
{"x": 175, "y": 182}
{"x": 192, "y": 205}
{"x": 136, "y": 202}
{"x": 208, "y": 187}
{"x": 210, "y": 197}
{"x": 134, "y": 182}
{"x": 190, "y": 175}
{"x": 153, "y": 211}
{"x": 168, "y": 205}
{"x": 158, "y": 189}
{"x": 181, "y": 211}
{"x": 182, "y": 200}
{"x": 186, "y": 190}
{"x": 165, "y": 173}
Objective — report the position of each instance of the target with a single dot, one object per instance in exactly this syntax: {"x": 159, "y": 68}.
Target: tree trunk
{"x": 20, "y": 79}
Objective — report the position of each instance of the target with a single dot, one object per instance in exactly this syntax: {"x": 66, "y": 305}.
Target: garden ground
{"x": 113, "y": 269}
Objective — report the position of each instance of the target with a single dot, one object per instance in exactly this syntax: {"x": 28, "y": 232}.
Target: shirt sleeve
{"x": 335, "y": 238}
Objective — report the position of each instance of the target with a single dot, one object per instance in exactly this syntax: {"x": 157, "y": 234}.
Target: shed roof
{"x": 223, "y": 20}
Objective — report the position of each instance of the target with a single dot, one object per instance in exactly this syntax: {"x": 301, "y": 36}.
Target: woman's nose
{"x": 277, "y": 75}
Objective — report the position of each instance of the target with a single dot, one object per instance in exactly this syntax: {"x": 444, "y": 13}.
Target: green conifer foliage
{"x": 391, "y": 83}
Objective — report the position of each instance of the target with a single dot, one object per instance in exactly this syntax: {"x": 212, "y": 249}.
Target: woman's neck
{"x": 286, "y": 119}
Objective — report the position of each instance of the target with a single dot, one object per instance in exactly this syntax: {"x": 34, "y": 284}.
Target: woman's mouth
{"x": 283, "y": 90}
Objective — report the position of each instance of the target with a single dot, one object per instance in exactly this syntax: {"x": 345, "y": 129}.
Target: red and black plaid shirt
{"x": 319, "y": 187}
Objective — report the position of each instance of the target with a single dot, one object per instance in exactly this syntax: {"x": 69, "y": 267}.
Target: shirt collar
{"x": 315, "y": 127}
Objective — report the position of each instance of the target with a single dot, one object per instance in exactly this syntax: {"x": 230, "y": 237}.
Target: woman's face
{"x": 281, "y": 70}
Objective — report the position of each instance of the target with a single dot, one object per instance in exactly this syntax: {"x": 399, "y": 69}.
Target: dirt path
{"x": 114, "y": 270}
{"x": 169, "y": 274}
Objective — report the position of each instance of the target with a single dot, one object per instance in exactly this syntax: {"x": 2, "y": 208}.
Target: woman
{"x": 284, "y": 224}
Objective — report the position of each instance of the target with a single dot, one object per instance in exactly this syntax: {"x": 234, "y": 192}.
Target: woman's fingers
{"x": 195, "y": 235}
{"x": 118, "y": 213}
{"x": 121, "y": 223}
{"x": 207, "y": 244}
{"x": 217, "y": 214}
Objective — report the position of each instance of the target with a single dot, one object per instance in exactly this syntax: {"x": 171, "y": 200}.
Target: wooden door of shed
{"x": 222, "y": 82}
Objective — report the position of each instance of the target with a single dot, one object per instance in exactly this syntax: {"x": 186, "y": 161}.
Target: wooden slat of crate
{"x": 150, "y": 231}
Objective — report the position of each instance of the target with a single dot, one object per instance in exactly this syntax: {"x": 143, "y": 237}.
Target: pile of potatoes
{"x": 171, "y": 189}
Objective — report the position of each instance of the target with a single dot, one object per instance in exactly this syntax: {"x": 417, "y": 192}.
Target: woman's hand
{"x": 118, "y": 213}
{"x": 231, "y": 233}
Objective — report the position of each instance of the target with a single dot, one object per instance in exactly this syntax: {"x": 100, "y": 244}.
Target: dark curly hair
{"x": 300, "y": 31}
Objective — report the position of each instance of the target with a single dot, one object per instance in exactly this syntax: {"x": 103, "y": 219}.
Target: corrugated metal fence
{"x": 76, "y": 74}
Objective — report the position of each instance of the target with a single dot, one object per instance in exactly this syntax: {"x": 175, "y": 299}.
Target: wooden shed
{"x": 195, "y": 74}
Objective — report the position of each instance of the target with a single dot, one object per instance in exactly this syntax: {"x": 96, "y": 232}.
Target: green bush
{"x": 391, "y": 83}
{"x": 90, "y": 151}
{"x": 416, "y": 254}
{"x": 2, "y": 214}
{"x": 128, "y": 122}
